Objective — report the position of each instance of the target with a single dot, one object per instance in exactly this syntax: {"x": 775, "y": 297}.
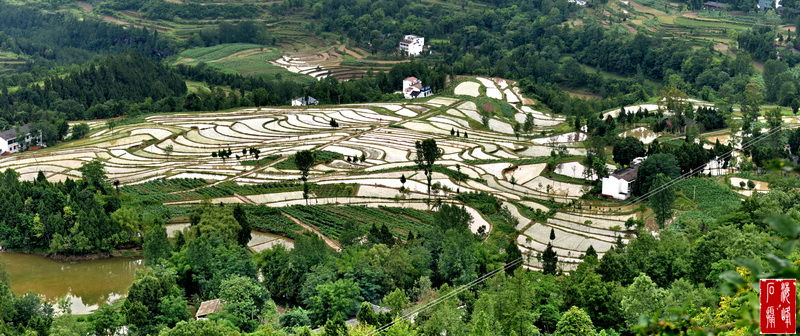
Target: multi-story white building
{"x": 412, "y": 45}
{"x": 304, "y": 101}
{"x": 19, "y": 139}
{"x": 620, "y": 184}
{"x": 412, "y": 88}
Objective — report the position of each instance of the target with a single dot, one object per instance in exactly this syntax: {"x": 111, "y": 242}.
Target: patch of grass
{"x": 495, "y": 107}
{"x": 563, "y": 178}
{"x": 334, "y": 190}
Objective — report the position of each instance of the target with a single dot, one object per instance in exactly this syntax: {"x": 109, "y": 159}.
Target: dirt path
{"x": 244, "y": 199}
{"x": 114, "y": 20}
{"x": 332, "y": 243}
{"x": 85, "y": 6}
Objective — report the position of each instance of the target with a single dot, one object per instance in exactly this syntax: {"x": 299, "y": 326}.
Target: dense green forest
{"x": 59, "y": 39}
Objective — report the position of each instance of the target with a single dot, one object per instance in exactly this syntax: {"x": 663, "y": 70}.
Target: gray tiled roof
{"x": 627, "y": 174}
{"x": 12, "y": 133}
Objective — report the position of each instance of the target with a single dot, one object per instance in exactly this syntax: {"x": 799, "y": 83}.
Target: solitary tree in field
{"x": 552, "y": 234}
{"x": 529, "y": 124}
{"x": 427, "y": 154}
{"x": 549, "y": 260}
{"x": 590, "y": 252}
{"x": 661, "y": 201}
{"x": 304, "y": 160}
{"x": 752, "y": 97}
{"x": 334, "y": 123}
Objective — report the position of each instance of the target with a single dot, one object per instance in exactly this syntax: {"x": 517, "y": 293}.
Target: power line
{"x": 517, "y": 261}
{"x": 455, "y": 292}
{"x": 694, "y": 171}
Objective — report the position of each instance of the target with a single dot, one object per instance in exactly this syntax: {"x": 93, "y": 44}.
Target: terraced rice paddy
{"x": 338, "y": 61}
{"x": 178, "y": 147}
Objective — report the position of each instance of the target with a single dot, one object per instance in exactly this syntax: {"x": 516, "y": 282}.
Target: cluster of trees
{"x": 166, "y": 10}
{"x": 55, "y": 38}
{"x": 103, "y": 89}
{"x": 100, "y": 90}
{"x": 71, "y": 217}
{"x": 21, "y": 314}
{"x": 227, "y": 32}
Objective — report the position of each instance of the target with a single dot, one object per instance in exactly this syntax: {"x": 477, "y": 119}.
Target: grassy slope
{"x": 240, "y": 58}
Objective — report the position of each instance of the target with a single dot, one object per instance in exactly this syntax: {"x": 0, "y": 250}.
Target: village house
{"x": 412, "y": 45}
{"x": 304, "y": 101}
{"x": 18, "y": 139}
{"x": 412, "y": 88}
{"x": 768, "y": 4}
{"x": 207, "y": 308}
{"x": 620, "y": 184}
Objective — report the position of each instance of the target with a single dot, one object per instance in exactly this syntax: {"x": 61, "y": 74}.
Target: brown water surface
{"x": 87, "y": 284}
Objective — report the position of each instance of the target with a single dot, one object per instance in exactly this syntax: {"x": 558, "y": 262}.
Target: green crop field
{"x": 213, "y": 53}
{"x": 240, "y": 58}
{"x": 332, "y": 221}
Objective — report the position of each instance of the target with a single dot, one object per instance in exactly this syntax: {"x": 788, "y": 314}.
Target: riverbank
{"x": 127, "y": 253}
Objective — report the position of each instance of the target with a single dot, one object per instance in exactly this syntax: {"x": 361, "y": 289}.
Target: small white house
{"x": 412, "y": 88}
{"x": 717, "y": 166}
{"x": 304, "y": 101}
{"x": 412, "y": 45}
{"x": 620, "y": 184}
{"x": 18, "y": 139}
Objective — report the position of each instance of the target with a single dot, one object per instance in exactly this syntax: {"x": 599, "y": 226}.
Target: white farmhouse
{"x": 19, "y": 139}
{"x": 620, "y": 184}
{"x": 412, "y": 88}
{"x": 412, "y": 45}
{"x": 304, "y": 101}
